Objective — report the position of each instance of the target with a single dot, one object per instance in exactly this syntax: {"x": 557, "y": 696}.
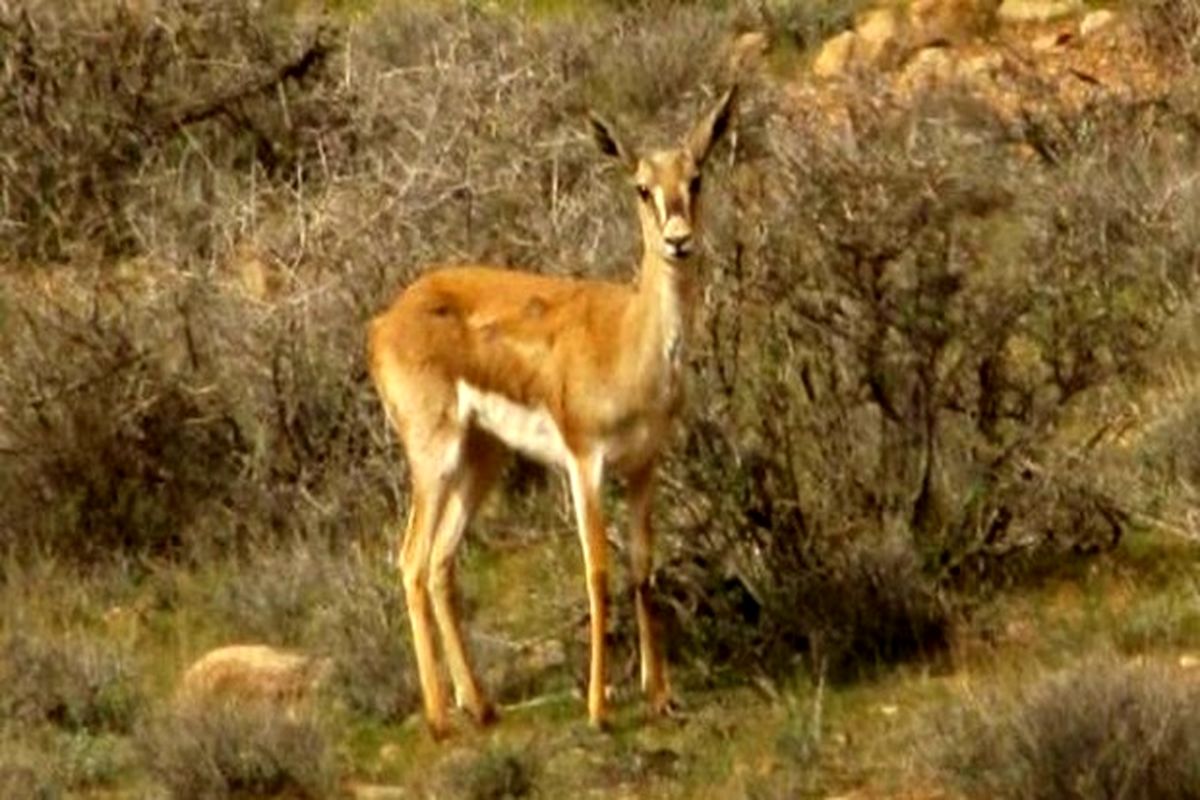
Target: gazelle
{"x": 473, "y": 361}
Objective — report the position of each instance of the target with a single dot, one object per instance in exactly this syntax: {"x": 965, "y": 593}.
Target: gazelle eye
{"x": 644, "y": 193}
{"x": 694, "y": 186}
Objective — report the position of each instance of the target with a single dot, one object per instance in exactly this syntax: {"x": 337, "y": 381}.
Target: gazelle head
{"x": 668, "y": 182}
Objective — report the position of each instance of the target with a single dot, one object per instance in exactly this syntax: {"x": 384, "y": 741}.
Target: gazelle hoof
{"x": 666, "y": 707}
{"x": 439, "y": 730}
{"x": 486, "y": 716}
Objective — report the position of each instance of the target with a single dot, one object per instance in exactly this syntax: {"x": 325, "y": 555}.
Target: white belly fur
{"x": 532, "y": 431}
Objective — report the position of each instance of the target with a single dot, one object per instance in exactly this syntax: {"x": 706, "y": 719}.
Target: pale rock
{"x": 367, "y": 791}
{"x": 1051, "y": 41}
{"x": 255, "y": 673}
{"x": 952, "y": 21}
{"x": 1097, "y": 21}
{"x": 880, "y": 36}
{"x": 931, "y": 66}
{"x": 836, "y": 53}
{"x": 1038, "y": 10}
{"x": 747, "y": 50}
{"x": 980, "y": 67}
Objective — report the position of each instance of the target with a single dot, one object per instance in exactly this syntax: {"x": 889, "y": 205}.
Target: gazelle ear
{"x": 709, "y": 130}
{"x": 609, "y": 142}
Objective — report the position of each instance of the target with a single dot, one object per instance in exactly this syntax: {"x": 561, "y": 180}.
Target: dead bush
{"x": 171, "y": 410}
{"x": 848, "y": 609}
{"x": 72, "y": 683}
{"x": 1171, "y": 27}
{"x": 907, "y": 346}
{"x": 255, "y": 750}
{"x": 363, "y": 630}
{"x": 1100, "y": 730}
{"x": 328, "y": 602}
{"x": 108, "y": 108}
{"x": 496, "y": 774}
{"x": 110, "y": 449}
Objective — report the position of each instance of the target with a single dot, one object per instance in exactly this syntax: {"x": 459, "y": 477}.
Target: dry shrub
{"x": 110, "y": 111}
{"x": 255, "y": 750}
{"x": 1171, "y": 28}
{"x": 808, "y": 23}
{"x": 112, "y": 450}
{"x": 495, "y": 774}
{"x": 73, "y": 683}
{"x": 908, "y": 353}
{"x": 363, "y": 629}
{"x": 327, "y": 602}
{"x": 18, "y": 778}
{"x": 152, "y": 405}
{"x": 1102, "y": 729}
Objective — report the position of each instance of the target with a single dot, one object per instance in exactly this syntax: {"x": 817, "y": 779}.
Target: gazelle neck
{"x": 664, "y": 312}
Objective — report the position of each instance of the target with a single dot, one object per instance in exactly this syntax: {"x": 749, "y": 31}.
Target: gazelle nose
{"x": 678, "y": 245}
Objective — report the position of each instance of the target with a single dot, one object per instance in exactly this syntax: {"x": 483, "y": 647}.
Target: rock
{"x": 1038, "y": 10}
{"x": 983, "y": 66}
{"x": 367, "y": 791}
{"x": 1097, "y": 21}
{"x": 930, "y": 66}
{"x": 880, "y": 37}
{"x": 951, "y": 21}
{"x": 254, "y": 673}
{"x": 1052, "y": 41}
{"x": 747, "y": 50}
{"x": 835, "y": 56}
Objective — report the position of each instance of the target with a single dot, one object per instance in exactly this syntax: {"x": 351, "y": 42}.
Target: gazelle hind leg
{"x": 431, "y": 491}
{"x": 483, "y": 459}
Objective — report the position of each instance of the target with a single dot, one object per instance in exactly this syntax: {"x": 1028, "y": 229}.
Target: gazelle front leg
{"x": 586, "y": 474}
{"x": 654, "y": 673}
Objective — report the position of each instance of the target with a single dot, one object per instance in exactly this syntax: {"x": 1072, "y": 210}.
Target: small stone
{"x": 1038, "y": 10}
{"x": 984, "y": 65}
{"x": 1052, "y": 41}
{"x": 1097, "y": 21}
{"x": 952, "y": 21}
{"x": 836, "y": 53}
{"x": 366, "y": 791}
{"x": 932, "y": 65}
{"x": 879, "y": 36}
{"x": 747, "y": 51}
